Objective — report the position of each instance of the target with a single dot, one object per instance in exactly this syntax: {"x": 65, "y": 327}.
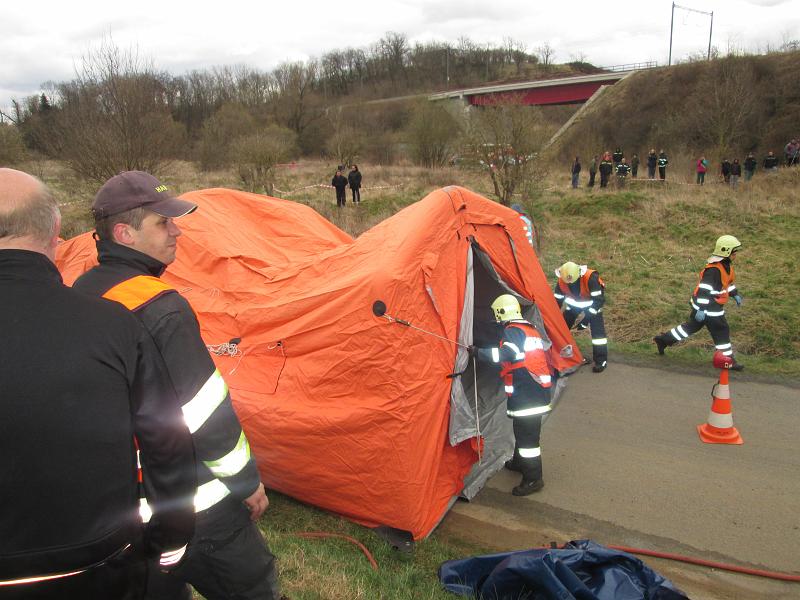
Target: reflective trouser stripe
{"x": 600, "y": 341}
{"x": 530, "y": 452}
{"x": 197, "y": 410}
{"x": 682, "y": 331}
{"x": 26, "y": 580}
{"x": 509, "y": 389}
{"x": 172, "y": 557}
{"x": 726, "y": 349}
{"x": 529, "y": 412}
{"x": 233, "y": 462}
{"x": 675, "y": 334}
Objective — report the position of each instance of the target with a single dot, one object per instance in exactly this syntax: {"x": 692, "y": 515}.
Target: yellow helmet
{"x": 726, "y": 245}
{"x": 506, "y": 308}
{"x": 568, "y": 272}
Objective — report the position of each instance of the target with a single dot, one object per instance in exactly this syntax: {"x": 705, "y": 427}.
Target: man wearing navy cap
{"x": 137, "y": 239}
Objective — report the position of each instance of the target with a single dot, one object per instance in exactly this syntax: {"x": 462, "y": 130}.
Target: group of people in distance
{"x": 730, "y": 171}
{"x": 616, "y": 163}
{"x": 340, "y": 184}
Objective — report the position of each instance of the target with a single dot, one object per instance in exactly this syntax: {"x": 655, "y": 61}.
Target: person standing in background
{"x": 635, "y": 166}
{"x": 749, "y": 166}
{"x": 702, "y": 168}
{"x": 736, "y": 173}
{"x": 576, "y": 171}
{"x": 606, "y": 167}
{"x": 652, "y": 161}
{"x": 592, "y": 170}
{"x": 663, "y": 161}
{"x": 354, "y": 181}
{"x": 339, "y": 182}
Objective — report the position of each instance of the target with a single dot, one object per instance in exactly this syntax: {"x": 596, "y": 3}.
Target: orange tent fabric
{"x": 343, "y": 409}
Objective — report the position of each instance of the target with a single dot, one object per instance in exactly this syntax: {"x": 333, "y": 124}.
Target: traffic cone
{"x": 719, "y": 429}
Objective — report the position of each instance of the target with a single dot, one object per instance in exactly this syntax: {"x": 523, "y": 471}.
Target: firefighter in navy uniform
{"x": 708, "y": 301}
{"x": 136, "y": 241}
{"x": 583, "y": 291}
{"x": 526, "y": 374}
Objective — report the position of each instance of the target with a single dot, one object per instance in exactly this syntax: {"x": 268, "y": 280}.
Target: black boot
{"x": 660, "y": 344}
{"x": 737, "y": 366}
{"x": 528, "y": 486}
{"x": 599, "y": 367}
{"x": 513, "y": 465}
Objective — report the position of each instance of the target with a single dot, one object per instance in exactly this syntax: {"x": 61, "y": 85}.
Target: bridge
{"x": 564, "y": 90}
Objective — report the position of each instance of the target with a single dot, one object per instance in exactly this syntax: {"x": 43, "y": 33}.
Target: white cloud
{"x": 43, "y": 41}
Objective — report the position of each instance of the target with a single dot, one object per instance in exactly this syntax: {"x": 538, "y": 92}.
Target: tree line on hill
{"x": 120, "y": 112}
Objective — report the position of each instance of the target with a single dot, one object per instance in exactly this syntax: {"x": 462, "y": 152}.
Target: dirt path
{"x": 624, "y": 465}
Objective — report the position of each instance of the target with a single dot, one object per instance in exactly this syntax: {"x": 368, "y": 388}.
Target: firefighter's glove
{"x": 738, "y": 299}
{"x": 700, "y": 316}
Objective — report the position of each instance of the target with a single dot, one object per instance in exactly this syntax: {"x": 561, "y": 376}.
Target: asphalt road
{"x": 624, "y": 465}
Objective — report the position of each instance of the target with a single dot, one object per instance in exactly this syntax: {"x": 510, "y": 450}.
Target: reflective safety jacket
{"x": 716, "y": 285}
{"x": 225, "y": 467}
{"x": 662, "y": 160}
{"x": 524, "y": 369}
{"x": 587, "y": 293}
{"x": 527, "y": 225}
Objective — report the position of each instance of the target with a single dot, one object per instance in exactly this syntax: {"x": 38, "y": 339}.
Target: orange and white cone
{"x": 719, "y": 429}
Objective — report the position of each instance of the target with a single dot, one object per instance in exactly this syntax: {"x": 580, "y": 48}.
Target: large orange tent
{"x": 344, "y": 409}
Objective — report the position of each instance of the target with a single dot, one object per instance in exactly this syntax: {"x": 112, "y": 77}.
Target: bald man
{"x": 82, "y": 385}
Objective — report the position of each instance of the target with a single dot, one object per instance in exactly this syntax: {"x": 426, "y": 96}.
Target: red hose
{"x": 710, "y": 563}
{"x": 320, "y": 534}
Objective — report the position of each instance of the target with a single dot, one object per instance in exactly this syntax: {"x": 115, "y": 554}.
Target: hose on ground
{"x": 323, "y": 535}
{"x": 710, "y": 563}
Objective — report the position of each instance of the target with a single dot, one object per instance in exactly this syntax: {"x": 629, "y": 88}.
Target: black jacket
{"x": 736, "y": 169}
{"x": 79, "y": 377}
{"x": 576, "y": 167}
{"x": 725, "y": 167}
{"x": 606, "y": 167}
{"x": 172, "y": 323}
{"x": 652, "y": 160}
{"x": 770, "y": 162}
{"x": 750, "y": 163}
{"x": 339, "y": 182}
{"x": 354, "y": 179}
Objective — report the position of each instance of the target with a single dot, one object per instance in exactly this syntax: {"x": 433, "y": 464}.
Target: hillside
{"x": 728, "y": 106}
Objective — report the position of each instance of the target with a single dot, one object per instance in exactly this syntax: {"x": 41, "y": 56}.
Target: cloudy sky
{"x": 42, "y": 40}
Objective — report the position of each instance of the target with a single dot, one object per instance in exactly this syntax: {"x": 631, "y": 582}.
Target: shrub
{"x": 12, "y": 150}
{"x": 254, "y": 156}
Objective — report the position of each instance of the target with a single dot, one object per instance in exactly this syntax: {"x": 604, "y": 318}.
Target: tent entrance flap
{"x": 477, "y": 323}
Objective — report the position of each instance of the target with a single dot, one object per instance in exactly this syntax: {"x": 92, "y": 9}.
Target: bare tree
{"x": 546, "y": 54}
{"x": 504, "y": 141}
{"x": 726, "y": 106}
{"x": 347, "y": 141}
{"x": 228, "y": 123}
{"x": 432, "y": 134}
{"x": 113, "y": 116}
{"x": 255, "y": 156}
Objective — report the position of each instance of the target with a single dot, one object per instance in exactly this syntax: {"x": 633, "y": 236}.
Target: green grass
{"x": 336, "y": 569}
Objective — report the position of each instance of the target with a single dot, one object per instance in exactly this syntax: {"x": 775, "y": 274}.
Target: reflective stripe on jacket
{"x": 587, "y": 298}
{"x": 705, "y": 293}
{"x": 531, "y": 357}
{"x": 136, "y": 293}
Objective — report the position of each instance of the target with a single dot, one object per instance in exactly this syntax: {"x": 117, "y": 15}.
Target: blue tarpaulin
{"x": 581, "y": 570}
